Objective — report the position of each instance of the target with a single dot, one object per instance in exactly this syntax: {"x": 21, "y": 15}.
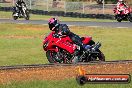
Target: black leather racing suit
{"x": 63, "y": 29}
{"x": 19, "y": 5}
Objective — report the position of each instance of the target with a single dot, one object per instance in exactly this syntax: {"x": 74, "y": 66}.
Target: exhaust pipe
{"x": 96, "y": 46}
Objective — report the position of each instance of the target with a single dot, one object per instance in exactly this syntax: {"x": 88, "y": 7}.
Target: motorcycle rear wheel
{"x": 27, "y": 16}
{"x": 99, "y": 57}
{"x": 130, "y": 17}
{"x": 118, "y": 18}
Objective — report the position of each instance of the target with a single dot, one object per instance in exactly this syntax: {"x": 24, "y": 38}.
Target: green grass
{"x": 23, "y": 50}
{"x": 6, "y": 4}
{"x": 8, "y": 15}
{"x": 22, "y": 44}
{"x": 69, "y": 83}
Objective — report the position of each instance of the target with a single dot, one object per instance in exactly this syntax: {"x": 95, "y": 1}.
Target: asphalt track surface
{"x": 73, "y": 23}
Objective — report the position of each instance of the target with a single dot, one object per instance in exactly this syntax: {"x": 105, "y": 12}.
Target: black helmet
{"x": 53, "y": 23}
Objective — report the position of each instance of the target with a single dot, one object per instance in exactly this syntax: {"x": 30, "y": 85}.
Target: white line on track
{"x": 87, "y": 26}
{"x": 121, "y": 27}
{"x": 44, "y": 24}
{"x": 94, "y": 26}
{"x": 21, "y": 23}
{"x": 71, "y": 25}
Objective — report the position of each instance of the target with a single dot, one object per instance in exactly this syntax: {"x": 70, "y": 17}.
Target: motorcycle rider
{"x": 63, "y": 30}
{"x": 121, "y": 5}
{"x": 19, "y": 4}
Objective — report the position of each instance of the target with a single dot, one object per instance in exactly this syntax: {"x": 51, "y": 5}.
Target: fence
{"x": 50, "y": 5}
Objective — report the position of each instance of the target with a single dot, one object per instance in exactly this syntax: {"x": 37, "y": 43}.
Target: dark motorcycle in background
{"x": 125, "y": 14}
{"x": 61, "y": 50}
{"x": 20, "y": 13}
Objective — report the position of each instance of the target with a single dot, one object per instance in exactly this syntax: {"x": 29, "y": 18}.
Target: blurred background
{"x": 81, "y": 6}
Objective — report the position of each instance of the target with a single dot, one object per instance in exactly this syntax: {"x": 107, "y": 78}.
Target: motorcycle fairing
{"x": 64, "y": 43}
{"x": 86, "y": 39}
{"x": 124, "y": 11}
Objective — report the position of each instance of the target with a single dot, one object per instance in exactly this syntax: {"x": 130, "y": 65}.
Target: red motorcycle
{"x": 124, "y": 14}
{"x": 61, "y": 49}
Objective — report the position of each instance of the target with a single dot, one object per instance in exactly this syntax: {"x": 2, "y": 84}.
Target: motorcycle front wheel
{"x": 57, "y": 57}
{"x": 51, "y": 56}
{"x": 26, "y": 16}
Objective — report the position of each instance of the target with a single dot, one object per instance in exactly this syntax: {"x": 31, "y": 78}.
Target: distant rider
{"x": 62, "y": 30}
{"x": 121, "y": 5}
{"x": 19, "y": 4}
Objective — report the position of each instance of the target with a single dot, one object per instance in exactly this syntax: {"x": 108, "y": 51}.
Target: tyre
{"x": 27, "y": 16}
{"x": 118, "y": 17}
{"x": 14, "y": 17}
{"x": 101, "y": 56}
{"x": 57, "y": 57}
{"x": 119, "y": 20}
{"x": 96, "y": 56}
{"x": 51, "y": 56}
{"x": 130, "y": 17}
